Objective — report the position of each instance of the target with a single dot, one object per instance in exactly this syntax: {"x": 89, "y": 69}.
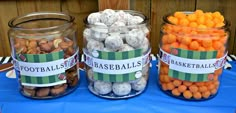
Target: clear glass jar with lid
{"x": 45, "y": 53}
{"x": 193, "y": 49}
{"x": 116, "y": 49}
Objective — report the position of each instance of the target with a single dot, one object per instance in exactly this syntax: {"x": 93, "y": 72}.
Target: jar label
{"x": 117, "y": 66}
{"x": 42, "y": 70}
{"x": 194, "y": 66}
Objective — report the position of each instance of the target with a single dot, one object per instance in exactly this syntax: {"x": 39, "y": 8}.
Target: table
{"x": 153, "y": 100}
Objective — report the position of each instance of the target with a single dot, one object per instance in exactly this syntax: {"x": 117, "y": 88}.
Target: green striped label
{"x": 116, "y": 66}
{"x": 41, "y": 70}
{"x": 194, "y": 66}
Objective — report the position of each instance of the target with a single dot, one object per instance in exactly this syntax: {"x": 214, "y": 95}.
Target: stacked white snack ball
{"x": 116, "y": 31}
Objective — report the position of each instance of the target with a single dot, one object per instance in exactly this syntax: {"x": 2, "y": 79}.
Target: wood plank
{"x": 79, "y": 16}
{"x": 81, "y": 6}
{"x": 159, "y": 8}
{"x": 48, "y": 5}
{"x": 229, "y": 7}
{"x": 113, "y": 4}
{"x": 143, "y": 6}
{"x": 209, "y": 5}
{"x": 8, "y": 10}
{"x": 28, "y": 6}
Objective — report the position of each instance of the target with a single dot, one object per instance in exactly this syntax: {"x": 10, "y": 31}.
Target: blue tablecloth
{"x": 151, "y": 101}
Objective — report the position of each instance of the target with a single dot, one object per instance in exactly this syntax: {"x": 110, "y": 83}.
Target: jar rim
{"x": 132, "y": 12}
{"x": 33, "y": 17}
{"x": 226, "y": 26}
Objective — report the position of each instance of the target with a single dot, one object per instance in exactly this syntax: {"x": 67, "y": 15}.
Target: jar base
{"x": 112, "y": 96}
{"x": 182, "y": 97}
{"x": 68, "y": 91}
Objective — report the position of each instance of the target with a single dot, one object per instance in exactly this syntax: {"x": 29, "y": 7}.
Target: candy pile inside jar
{"x": 116, "y": 33}
{"x": 26, "y": 45}
{"x": 195, "y": 36}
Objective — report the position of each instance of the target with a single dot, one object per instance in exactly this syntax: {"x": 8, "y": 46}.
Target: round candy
{"x": 140, "y": 85}
{"x": 121, "y": 88}
{"x": 126, "y": 47}
{"x": 99, "y": 32}
{"x": 118, "y": 27}
{"x": 102, "y": 87}
{"x": 135, "y": 20}
{"x": 135, "y": 37}
{"x": 114, "y": 42}
{"x": 123, "y": 17}
{"x": 94, "y": 45}
{"x": 87, "y": 33}
{"x": 108, "y": 17}
{"x": 94, "y": 17}
{"x": 145, "y": 45}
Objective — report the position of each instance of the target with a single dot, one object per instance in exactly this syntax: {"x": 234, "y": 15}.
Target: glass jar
{"x": 45, "y": 54}
{"x": 191, "y": 60}
{"x": 116, "y": 52}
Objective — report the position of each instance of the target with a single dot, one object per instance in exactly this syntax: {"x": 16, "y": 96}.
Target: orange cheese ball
{"x": 217, "y": 45}
{"x": 161, "y": 78}
{"x": 180, "y": 15}
{"x": 201, "y": 48}
{"x": 175, "y": 92}
{"x": 186, "y": 40}
{"x": 171, "y": 38}
{"x": 192, "y": 17}
{"x": 166, "y": 48}
{"x": 210, "y": 23}
{"x": 200, "y": 83}
{"x": 216, "y": 83}
{"x": 173, "y": 20}
{"x": 206, "y": 94}
{"x": 194, "y": 45}
{"x": 174, "y": 45}
{"x": 201, "y": 20}
{"x": 186, "y": 83}
{"x": 193, "y": 88}
{"x": 182, "y": 88}
{"x": 199, "y": 12}
{"x": 210, "y": 86}
{"x": 193, "y": 24}
{"x": 164, "y": 86}
{"x": 177, "y": 82}
{"x": 182, "y": 46}
{"x": 167, "y": 78}
{"x": 184, "y": 22}
{"x": 187, "y": 94}
{"x": 170, "y": 86}
{"x": 207, "y": 43}
{"x": 164, "y": 39}
{"x": 197, "y": 95}
{"x": 213, "y": 91}
{"x": 202, "y": 88}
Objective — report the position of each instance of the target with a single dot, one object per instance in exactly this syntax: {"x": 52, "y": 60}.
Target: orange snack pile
{"x": 196, "y": 90}
{"x": 197, "y": 31}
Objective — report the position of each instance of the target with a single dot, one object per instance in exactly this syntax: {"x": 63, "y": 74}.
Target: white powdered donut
{"x": 121, "y": 88}
{"x": 94, "y": 45}
{"x": 114, "y": 42}
{"x": 99, "y": 32}
{"x": 135, "y": 20}
{"x": 139, "y": 85}
{"x": 102, "y": 87}
{"x": 94, "y": 18}
{"x": 108, "y": 17}
{"x": 126, "y": 47}
{"x": 135, "y": 37}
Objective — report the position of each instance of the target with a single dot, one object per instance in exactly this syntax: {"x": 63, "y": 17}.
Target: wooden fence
{"x": 153, "y": 9}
